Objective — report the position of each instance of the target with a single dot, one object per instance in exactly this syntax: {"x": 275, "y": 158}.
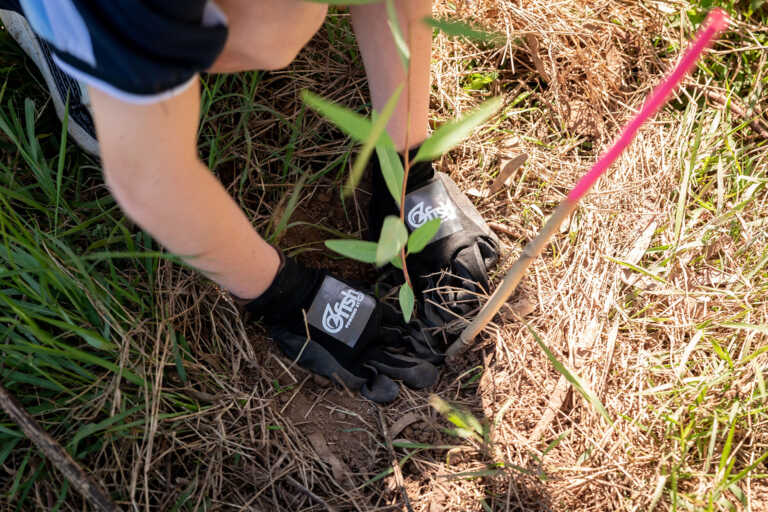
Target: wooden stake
{"x": 714, "y": 24}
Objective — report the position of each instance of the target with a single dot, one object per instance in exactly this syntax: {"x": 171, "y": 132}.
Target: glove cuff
{"x": 291, "y": 290}
{"x": 340, "y": 317}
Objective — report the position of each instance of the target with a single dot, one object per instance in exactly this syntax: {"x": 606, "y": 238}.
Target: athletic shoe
{"x": 60, "y": 85}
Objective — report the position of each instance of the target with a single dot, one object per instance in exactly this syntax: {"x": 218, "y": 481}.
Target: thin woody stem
{"x": 406, "y": 168}
{"x": 407, "y": 162}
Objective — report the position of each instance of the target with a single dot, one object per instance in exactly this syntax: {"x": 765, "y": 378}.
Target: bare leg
{"x": 385, "y": 70}
{"x": 266, "y": 34}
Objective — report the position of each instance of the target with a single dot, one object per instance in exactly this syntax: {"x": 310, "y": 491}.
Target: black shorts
{"x": 140, "y": 51}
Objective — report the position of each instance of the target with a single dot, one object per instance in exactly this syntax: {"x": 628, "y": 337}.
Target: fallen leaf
{"x": 506, "y": 172}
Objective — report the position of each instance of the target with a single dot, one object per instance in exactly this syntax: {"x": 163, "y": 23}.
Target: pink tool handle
{"x": 716, "y": 22}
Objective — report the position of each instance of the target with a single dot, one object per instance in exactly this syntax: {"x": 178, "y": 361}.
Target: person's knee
{"x": 268, "y": 34}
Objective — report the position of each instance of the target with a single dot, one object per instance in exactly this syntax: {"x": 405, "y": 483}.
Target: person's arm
{"x": 149, "y": 155}
{"x": 385, "y": 70}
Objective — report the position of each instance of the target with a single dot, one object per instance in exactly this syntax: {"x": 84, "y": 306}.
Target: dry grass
{"x": 671, "y": 345}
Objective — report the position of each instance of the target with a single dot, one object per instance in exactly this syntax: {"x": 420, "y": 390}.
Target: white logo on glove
{"x": 420, "y": 214}
{"x": 341, "y": 314}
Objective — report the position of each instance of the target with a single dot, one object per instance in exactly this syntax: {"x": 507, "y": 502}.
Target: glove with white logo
{"x": 452, "y": 270}
{"x": 353, "y": 338}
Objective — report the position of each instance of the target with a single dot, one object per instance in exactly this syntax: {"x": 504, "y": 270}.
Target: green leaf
{"x": 407, "y": 301}
{"x": 396, "y": 262}
{"x": 571, "y": 377}
{"x": 391, "y": 167}
{"x": 397, "y": 34}
{"x": 468, "y": 425}
{"x": 380, "y": 123}
{"x": 393, "y": 238}
{"x": 455, "y": 28}
{"x": 356, "y": 249}
{"x": 293, "y": 201}
{"x": 348, "y": 121}
{"x": 422, "y": 235}
{"x": 177, "y": 358}
{"x": 452, "y": 133}
{"x": 93, "y": 338}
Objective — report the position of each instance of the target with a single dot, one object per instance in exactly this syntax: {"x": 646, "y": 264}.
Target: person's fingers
{"x": 415, "y": 373}
{"x": 313, "y": 357}
{"x": 380, "y": 389}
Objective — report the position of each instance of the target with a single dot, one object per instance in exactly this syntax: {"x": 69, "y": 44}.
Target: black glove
{"x": 451, "y": 273}
{"x": 354, "y": 338}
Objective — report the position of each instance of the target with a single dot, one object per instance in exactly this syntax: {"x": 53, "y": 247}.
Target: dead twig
{"x": 735, "y": 106}
{"x": 395, "y": 463}
{"x": 80, "y": 480}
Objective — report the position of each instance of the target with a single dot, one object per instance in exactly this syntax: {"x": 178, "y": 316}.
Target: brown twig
{"x": 737, "y": 108}
{"x": 501, "y": 228}
{"x": 80, "y": 480}
{"x": 395, "y": 463}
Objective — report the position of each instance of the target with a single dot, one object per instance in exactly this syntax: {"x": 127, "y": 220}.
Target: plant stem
{"x": 406, "y": 168}
{"x": 407, "y": 162}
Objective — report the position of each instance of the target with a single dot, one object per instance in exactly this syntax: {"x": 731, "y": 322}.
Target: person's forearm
{"x": 385, "y": 70}
{"x": 187, "y": 210}
{"x": 151, "y": 166}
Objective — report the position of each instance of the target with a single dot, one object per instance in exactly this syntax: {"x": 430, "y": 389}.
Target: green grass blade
{"x": 574, "y": 379}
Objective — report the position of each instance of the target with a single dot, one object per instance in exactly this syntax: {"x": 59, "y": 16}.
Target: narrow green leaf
{"x": 571, "y": 377}
{"x": 396, "y": 262}
{"x": 91, "y": 428}
{"x": 293, "y": 201}
{"x": 452, "y": 133}
{"x": 468, "y": 425}
{"x": 391, "y": 167}
{"x": 422, "y": 235}
{"x": 177, "y": 358}
{"x": 60, "y": 166}
{"x": 725, "y": 356}
{"x": 377, "y": 130}
{"x": 397, "y": 34}
{"x": 406, "y": 301}
{"x": 636, "y": 268}
{"x": 348, "y": 121}
{"x": 393, "y": 237}
{"x": 455, "y": 28}
{"x": 356, "y": 249}
{"x": 93, "y": 338}
{"x": 761, "y": 328}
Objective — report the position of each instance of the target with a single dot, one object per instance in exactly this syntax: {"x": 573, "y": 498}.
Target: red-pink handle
{"x": 716, "y": 22}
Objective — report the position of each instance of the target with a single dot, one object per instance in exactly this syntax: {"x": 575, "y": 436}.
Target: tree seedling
{"x": 395, "y": 243}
